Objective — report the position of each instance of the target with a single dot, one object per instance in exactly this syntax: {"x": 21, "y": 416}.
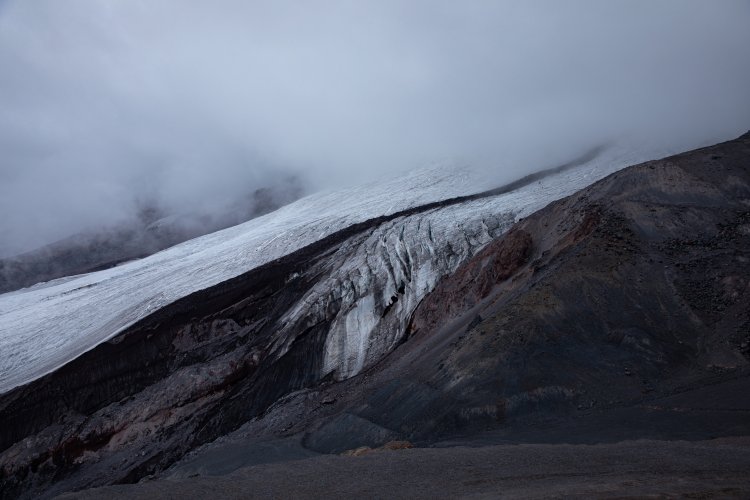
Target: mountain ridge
{"x": 495, "y": 341}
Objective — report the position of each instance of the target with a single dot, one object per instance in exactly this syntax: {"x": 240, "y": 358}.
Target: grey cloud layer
{"x": 105, "y": 104}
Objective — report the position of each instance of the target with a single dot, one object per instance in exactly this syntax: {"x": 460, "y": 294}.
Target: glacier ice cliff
{"x": 47, "y": 325}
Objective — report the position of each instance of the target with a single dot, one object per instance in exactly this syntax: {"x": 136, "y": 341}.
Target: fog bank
{"x": 107, "y": 107}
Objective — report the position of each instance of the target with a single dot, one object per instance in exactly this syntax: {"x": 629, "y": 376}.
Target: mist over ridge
{"x": 109, "y": 107}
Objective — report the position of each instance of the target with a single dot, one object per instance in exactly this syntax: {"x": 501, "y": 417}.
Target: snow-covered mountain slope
{"x": 47, "y": 325}
{"x": 151, "y": 230}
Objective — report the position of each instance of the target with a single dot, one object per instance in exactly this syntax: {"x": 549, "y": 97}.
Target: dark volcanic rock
{"x": 634, "y": 288}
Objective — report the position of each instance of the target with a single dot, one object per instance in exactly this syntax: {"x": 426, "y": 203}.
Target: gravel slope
{"x": 704, "y": 469}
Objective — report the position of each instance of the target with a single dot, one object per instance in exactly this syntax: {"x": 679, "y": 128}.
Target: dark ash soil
{"x": 660, "y": 469}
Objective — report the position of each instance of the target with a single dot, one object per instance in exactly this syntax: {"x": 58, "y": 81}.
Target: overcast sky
{"x": 105, "y": 103}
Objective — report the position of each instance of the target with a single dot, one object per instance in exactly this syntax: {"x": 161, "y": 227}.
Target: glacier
{"x": 47, "y": 325}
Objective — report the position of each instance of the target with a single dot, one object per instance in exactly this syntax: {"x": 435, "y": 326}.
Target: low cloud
{"x": 107, "y": 106}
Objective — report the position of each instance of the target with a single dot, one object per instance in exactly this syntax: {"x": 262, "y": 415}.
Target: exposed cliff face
{"x": 417, "y": 325}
